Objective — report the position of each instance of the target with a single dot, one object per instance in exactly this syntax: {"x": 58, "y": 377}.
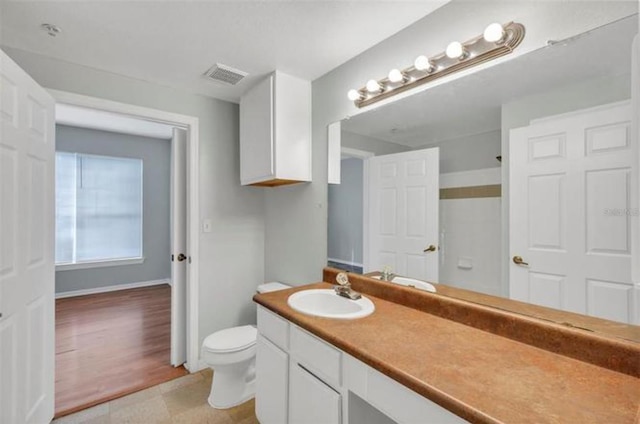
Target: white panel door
{"x": 179, "y": 247}
{"x": 570, "y": 191}
{"x": 402, "y": 226}
{"x": 27, "y": 159}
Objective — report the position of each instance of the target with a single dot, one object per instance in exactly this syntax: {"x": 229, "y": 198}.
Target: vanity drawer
{"x": 316, "y": 355}
{"x": 273, "y": 327}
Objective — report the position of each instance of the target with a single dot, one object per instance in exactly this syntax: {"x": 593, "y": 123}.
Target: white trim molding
{"x": 343, "y": 262}
{"x": 99, "y": 264}
{"x": 191, "y": 124}
{"x": 116, "y": 287}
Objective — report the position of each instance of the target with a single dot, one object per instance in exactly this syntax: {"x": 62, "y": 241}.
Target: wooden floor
{"x": 111, "y": 344}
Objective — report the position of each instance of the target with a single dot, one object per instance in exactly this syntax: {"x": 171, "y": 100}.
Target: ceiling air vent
{"x": 225, "y": 74}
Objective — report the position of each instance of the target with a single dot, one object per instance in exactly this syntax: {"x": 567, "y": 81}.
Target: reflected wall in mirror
{"x": 516, "y": 181}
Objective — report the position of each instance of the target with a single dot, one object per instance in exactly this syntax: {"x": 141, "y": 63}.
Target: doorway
{"x": 346, "y": 213}
{"x": 164, "y": 308}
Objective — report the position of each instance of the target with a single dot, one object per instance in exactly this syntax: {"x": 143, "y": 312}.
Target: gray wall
{"x": 296, "y": 216}
{"x": 156, "y": 168}
{"x": 345, "y": 213}
{"x": 467, "y": 153}
{"x": 369, "y": 144}
{"x": 231, "y": 261}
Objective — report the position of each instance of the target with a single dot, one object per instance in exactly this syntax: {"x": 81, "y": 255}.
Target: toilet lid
{"x": 231, "y": 339}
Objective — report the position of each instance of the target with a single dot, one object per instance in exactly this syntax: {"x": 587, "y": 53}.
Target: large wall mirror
{"x": 516, "y": 182}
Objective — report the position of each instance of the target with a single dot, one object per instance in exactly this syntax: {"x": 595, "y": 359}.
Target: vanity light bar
{"x": 497, "y": 40}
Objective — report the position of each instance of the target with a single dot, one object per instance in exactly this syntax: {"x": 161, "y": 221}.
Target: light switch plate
{"x": 206, "y": 226}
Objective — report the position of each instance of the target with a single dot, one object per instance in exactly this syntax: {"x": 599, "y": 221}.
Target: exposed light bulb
{"x": 373, "y": 86}
{"x": 422, "y": 63}
{"x": 396, "y": 76}
{"x": 354, "y": 95}
{"x": 455, "y": 50}
{"x": 494, "y": 33}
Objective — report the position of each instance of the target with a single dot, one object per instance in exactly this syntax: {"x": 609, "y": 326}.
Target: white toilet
{"x": 232, "y": 355}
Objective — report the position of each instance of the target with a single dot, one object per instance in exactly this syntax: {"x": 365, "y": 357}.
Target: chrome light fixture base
{"x": 476, "y": 51}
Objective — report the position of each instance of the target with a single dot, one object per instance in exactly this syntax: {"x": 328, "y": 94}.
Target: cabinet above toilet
{"x": 275, "y": 132}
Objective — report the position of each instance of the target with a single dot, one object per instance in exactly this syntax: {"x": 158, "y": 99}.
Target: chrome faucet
{"x": 386, "y": 274}
{"x": 344, "y": 287}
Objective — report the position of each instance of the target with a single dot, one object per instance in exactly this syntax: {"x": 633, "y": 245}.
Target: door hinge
{"x": 172, "y": 258}
{"x": 189, "y": 259}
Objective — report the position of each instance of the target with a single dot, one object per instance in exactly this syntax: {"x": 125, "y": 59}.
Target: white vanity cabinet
{"x": 272, "y": 367}
{"x": 272, "y": 364}
{"x": 311, "y": 401}
{"x": 302, "y": 379}
{"x": 275, "y": 132}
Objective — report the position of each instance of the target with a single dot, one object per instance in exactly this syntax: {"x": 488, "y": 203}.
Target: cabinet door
{"x": 272, "y": 375}
{"x": 311, "y": 401}
{"x": 257, "y": 133}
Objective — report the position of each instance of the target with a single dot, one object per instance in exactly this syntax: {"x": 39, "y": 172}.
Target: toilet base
{"x": 210, "y": 401}
{"x": 232, "y": 385}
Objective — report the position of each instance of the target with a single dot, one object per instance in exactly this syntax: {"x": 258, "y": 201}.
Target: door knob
{"x": 519, "y": 261}
{"x": 431, "y": 248}
{"x": 181, "y": 257}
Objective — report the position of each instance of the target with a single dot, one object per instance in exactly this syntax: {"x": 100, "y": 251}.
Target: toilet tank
{"x": 273, "y": 286}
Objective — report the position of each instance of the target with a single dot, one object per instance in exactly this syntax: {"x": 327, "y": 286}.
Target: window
{"x": 98, "y": 208}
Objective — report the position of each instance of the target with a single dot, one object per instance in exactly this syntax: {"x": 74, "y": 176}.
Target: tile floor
{"x": 183, "y": 400}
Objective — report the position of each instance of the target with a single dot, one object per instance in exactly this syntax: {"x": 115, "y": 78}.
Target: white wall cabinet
{"x": 275, "y": 132}
{"x": 302, "y": 379}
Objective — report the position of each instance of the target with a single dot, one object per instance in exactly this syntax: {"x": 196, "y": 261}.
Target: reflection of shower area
{"x": 470, "y": 224}
{"x": 470, "y": 230}
{"x": 345, "y": 218}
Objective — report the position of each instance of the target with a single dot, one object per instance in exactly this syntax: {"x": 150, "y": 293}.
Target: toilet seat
{"x": 231, "y": 339}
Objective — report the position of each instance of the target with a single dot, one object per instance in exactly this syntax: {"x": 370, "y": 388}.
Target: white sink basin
{"x": 411, "y": 282}
{"x": 327, "y": 304}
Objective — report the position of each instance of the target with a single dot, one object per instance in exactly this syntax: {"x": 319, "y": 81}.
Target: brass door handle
{"x": 519, "y": 261}
{"x": 181, "y": 257}
{"x": 431, "y": 248}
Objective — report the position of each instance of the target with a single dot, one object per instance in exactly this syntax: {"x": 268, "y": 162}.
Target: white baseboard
{"x": 341, "y": 261}
{"x": 107, "y": 289}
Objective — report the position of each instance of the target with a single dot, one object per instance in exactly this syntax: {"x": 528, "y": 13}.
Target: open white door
{"x": 178, "y": 247}
{"x": 27, "y": 223}
{"x": 570, "y": 190}
{"x": 402, "y": 206}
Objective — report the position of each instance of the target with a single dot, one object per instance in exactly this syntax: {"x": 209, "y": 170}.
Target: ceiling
{"x": 472, "y": 105}
{"x": 174, "y": 43}
{"x": 106, "y": 121}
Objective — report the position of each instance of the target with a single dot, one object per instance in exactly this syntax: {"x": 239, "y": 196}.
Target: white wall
{"x": 296, "y": 217}
{"x": 470, "y": 243}
{"x": 232, "y": 255}
{"x": 369, "y": 144}
{"x": 476, "y": 151}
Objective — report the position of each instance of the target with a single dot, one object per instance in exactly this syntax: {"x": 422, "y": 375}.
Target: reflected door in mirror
{"x": 403, "y": 196}
{"x": 569, "y": 209}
